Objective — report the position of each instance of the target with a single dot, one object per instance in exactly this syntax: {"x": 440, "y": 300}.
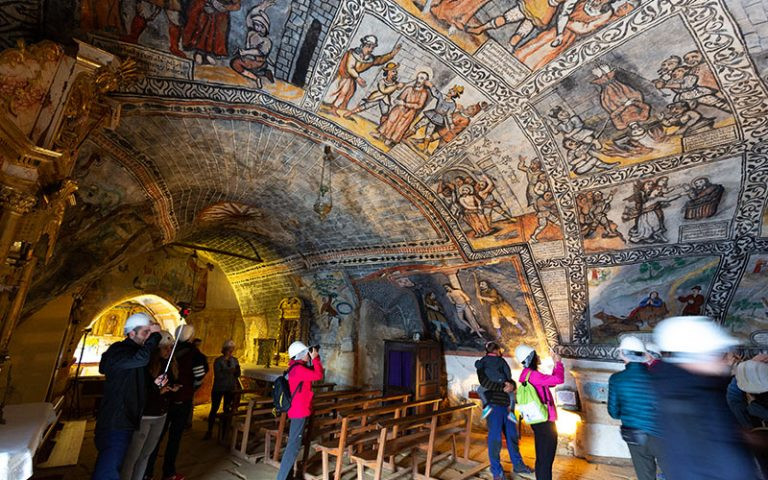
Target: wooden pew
{"x": 257, "y": 416}
{"x": 407, "y": 434}
{"x": 356, "y": 430}
{"x": 321, "y": 401}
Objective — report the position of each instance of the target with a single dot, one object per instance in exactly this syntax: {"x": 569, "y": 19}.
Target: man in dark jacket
{"x": 193, "y": 366}
{"x": 123, "y": 365}
{"x": 631, "y": 400}
{"x": 497, "y": 395}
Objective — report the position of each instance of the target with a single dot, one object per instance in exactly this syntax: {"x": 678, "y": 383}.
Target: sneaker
{"x": 486, "y": 411}
{"x": 511, "y": 416}
{"x": 525, "y": 471}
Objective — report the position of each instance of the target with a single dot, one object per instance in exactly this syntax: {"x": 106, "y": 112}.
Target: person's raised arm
{"x": 125, "y": 360}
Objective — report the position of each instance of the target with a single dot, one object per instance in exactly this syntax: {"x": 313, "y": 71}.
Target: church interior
{"x": 395, "y": 182}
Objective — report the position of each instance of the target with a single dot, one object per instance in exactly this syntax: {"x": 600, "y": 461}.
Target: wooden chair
{"x": 356, "y": 429}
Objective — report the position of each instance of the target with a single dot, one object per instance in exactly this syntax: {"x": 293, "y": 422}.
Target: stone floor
{"x": 206, "y": 460}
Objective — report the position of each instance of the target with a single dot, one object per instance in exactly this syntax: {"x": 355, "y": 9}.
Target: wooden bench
{"x": 246, "y": 428}
{"x": 321, "y": 402}
{"x": 356, "y": 430}
{"x": 408, "y": 434}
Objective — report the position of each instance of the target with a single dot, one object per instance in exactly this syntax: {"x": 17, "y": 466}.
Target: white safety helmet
{"x": 166, "y": 338}
{"x": 653, "y": 349}
{"x": 752, "y": 377}
{"x": 691, "y": 338}
{"x": 523, "y": 353}
{"x": 184, "y": 332}
{"x": 297, "y": 350}
{"x": 136, "y": 320}
{"x": 632, "y": 349}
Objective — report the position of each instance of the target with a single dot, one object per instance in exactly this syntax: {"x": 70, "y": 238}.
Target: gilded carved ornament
{"x": 23, "y": 66}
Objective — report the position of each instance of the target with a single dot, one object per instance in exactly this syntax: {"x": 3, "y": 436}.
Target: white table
{"x": 20, "y": 437}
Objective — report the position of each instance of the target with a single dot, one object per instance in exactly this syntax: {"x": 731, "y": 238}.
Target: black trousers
{"x": 645, "y": 458}
{"x": 545, "y": 440}
{"x": 175, "y": 423}
{"x": 215, "y": 402}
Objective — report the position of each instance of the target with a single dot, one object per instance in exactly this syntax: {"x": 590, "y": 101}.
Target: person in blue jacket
{"x": 631, "y": 399}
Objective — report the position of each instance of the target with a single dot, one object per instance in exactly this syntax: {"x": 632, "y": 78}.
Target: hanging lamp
{"x": 324, "y": 203}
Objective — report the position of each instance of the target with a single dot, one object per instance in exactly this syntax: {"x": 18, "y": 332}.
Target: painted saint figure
{"x": 207, "y": 28}
{"x": 251, "y": 61}
{"x": 436, "y": 318}
{"x": 407, "y": 106}
{"x": 625, "y": 105}
{"x": 147, "y": 11}
{"x": 704, "y": 198}
{"x": 464, "y": 313}
{"x": 692, "y": 302}
{"x": 382, "y": 96}
{"x": 471, "y": 207}
{"x": 200, "y": 284}
{"x": 355, "y": 62}
{"x": 650, "y": 311}
{"x": 499, "y": 308}
{"x": 439, "y": 117}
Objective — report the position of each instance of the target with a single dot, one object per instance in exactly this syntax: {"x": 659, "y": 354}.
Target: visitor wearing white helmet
{"x": 697, "y": 428}
{"x": 654, "y": 353}
{"x": 226, "y": 375}
{"x": 631, "y": 400}
{"x": 304, "y": 368}
{"x": 193, "y": 366}
{"x": 544, "y": 433}
{"x": 124, "y": 367}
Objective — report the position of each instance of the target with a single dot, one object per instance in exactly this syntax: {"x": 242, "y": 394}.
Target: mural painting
{"x": 461, "y": 307}
{"x": 636, "y": 297}
{"x": 269, "y": 45}
{"x": 530, "y": 33}
{"x": 500, "y": 193}
{"x": 747, "y": 315}
{"x": 637, "y": 104}
{"x": 395, "y": 94}
{"x": 679, "y": 206}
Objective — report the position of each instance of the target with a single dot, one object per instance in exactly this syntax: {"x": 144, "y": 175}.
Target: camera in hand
{"x": 314, "y": 348}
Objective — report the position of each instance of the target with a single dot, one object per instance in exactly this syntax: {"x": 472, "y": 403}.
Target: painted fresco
{"x": 636, "y": 297}
{"x": 402, "y": 96}
{"x": 637, "y": 104}
{"x": 500, "y": 193}
{"x": 461, "y": 307}
{"x": 269, "y": 45}
{"x": 694, "y": 204}
{"x": 747, "y": 316}
{"x": 532, "y": 32}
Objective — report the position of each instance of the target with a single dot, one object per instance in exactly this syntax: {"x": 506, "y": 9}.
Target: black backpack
{"x": 281, "y": 392}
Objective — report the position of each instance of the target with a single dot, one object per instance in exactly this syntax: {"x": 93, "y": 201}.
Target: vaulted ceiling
{"x": 592, "y": 134}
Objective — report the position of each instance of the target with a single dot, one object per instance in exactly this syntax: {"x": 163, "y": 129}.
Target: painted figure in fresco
{"x": 668, "y": 65}
{"x": 704, "y": 198}
{"x": 407, "y": 107}
{"x": 587, "y": 17}
{"x": 649, "y": 199}
{"x": 290, "y": 322}
{"x": 582, "y": 157}
{"x": 456, "y": 13}
{"x": 546, "y": 213}
{"x": 200, "y": 283}
{"x": 694, "y": 61}
{"x": 685, "y": 86}
{"x": 572, "y": 127}
{"x": 464, "y": 312}
{"x": 625, "y": 105}
{"x": 101, "y": 15}
{"x": 251, "y": 61}
{"x": 692, "y": 302}
{"x": 207, "y": 29}
{"x": 460, "y": 121}
{"x": 382, "y": 96}
{"x": 688, "y": 120}
{"x": 439, "y": 117}
{"x": 471, "y": 206}
{"x": 532, "y": 172}
{"x": 650, "y": 311}
{"x": 436, "y": 317}
{"x": 499, "y": 308}
{"x": 355, "y": 62}
{"x": 147, "y": 11}
{"x": 531, "y": 14}
{"x": 593, "y": 214}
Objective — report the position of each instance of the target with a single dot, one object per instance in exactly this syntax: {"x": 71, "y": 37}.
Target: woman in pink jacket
{"x": 545, "y": 433}
{"x": 300, "y": 377}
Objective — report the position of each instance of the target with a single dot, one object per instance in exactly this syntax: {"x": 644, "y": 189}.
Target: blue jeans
{"x": 498, "y": 423}
{"x": 112, "y": 446}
